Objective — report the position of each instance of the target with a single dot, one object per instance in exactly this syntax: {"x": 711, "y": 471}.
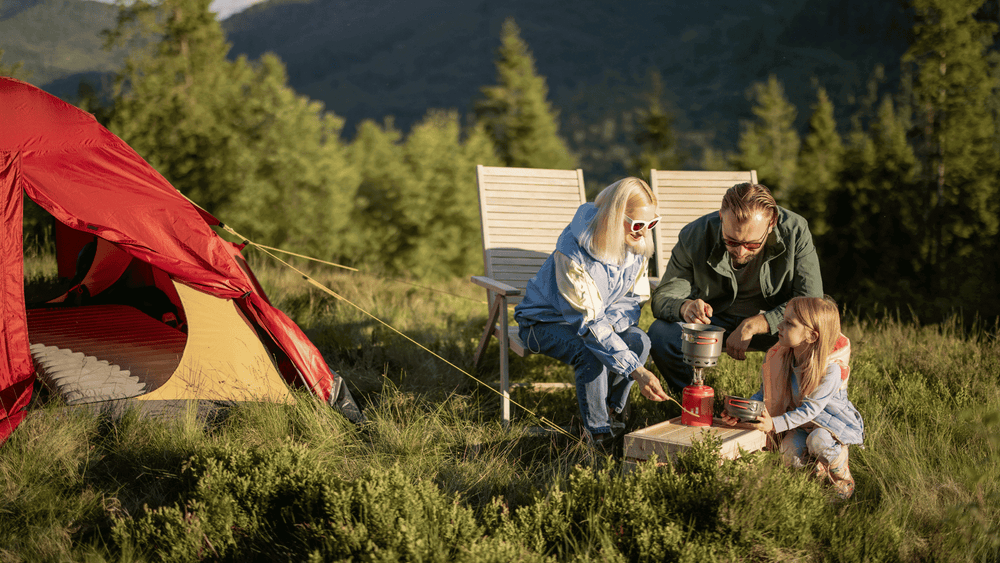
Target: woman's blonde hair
{"x": 819, "y": 314}
{"x": 605, "y": 237}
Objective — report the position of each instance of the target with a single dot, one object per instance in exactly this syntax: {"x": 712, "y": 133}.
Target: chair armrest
{"x": 495, "y": 286}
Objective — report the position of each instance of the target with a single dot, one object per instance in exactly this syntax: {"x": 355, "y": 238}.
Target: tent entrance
{"x": 102, "y": 352}
{"x": 97, "y": 353}
{"x": 118, "y": 327}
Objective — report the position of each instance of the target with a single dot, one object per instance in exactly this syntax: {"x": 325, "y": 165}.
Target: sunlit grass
{"x": 927, "y": 479}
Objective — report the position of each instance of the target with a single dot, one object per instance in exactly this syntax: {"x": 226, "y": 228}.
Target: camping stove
{"x": 701, "y": 345}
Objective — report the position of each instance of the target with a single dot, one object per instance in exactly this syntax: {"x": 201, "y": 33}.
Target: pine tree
{"x": 15, "y": 70}
{"x": 770, "y": 143}
{"x": 819, "y": 166}
{"x": 655, "y": 134}
{"x": 516, "y": 112}
{"x": 382, "y": 197}
{"x": 421, "y": 193}
{"x": 955, "y": 128}
{"x": 444, "y": 174}
{"x": 871, "y": 252}
{"x": 231, "y": 135}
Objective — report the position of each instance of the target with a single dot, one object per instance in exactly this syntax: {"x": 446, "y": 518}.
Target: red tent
{"x": 90, "y": 181}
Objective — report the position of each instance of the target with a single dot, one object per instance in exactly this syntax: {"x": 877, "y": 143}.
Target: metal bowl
{"x": 747, "y": 410}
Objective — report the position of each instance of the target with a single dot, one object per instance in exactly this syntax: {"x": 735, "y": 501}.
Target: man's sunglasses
{"x": 748, "y": 245}
{"x": 637, "y": 226}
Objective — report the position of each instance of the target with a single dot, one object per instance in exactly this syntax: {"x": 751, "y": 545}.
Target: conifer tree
{"x": 231, "y": 135}
{"x": 871, "y": 252}
{"x": 955, "y": 131}
{"x": 382, "y": 196}
{"x": 516, "y": 112}
{"x": 421, "y": 194}
{"x": 819, "y": 166}
{"x": 444, "y": 174}
{"x": 770, "y": 143}
{"x": 655, "y": 134}
{"x": 15, "y": 70}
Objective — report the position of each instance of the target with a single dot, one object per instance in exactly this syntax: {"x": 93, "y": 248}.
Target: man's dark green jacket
{"x": 700, "y": 268}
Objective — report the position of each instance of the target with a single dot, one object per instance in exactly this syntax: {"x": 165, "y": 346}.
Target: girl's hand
{"x": 764, "y": 422}
{"x": 730, "y": 420}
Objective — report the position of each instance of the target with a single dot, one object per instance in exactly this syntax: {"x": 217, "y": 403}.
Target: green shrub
{"x": 695, "y": 509}
{"x": 279, "y": 503}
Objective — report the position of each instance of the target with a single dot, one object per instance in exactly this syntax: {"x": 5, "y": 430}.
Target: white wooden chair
{"x": 523, "y": 211}
{"x": 685, "y": 195}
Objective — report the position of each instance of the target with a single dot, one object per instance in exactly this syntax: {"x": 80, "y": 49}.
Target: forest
{"x": 903, "y": 204}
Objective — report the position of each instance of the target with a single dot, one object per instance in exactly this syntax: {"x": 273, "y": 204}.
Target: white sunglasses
{"x": 637, "y": 226}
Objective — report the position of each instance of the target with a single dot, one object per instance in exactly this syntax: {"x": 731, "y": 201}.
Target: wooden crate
{"x": 670, "y": 437}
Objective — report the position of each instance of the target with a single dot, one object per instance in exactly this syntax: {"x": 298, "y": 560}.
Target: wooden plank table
{"x": 669, "y": 438}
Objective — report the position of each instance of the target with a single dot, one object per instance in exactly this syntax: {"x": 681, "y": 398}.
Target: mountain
{"x": 59, "y": 41}
{"x": 367, "y": 59}
{"x": 370, "y": 59}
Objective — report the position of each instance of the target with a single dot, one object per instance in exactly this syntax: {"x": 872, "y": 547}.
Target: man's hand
{"x": 696, "y": 311}
{"x": 649, "y": 385}
{"x": 739, "y": 340}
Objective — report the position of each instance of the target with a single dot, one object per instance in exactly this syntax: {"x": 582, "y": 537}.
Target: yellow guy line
{"x": 258, "y": 245}
{"x": 292, "y": 253}
{"x": 322, "y": 287}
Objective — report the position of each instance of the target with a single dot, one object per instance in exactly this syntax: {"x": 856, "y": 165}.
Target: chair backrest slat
{"x": 685, "y": 195}
{"x": 522, "y": 212}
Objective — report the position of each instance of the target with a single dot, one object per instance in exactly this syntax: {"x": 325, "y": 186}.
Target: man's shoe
{"x": 603, "y": 443}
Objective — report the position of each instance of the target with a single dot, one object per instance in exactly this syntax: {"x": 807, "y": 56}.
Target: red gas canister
{"x": 697, "y": 403}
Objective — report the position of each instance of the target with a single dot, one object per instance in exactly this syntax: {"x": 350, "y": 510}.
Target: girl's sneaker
{"x": 821, "y": 470}
{"x": 840, "y": 474}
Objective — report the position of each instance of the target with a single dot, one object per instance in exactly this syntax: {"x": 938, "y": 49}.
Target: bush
{"x": 279, "y": 503}
{"x": 697, "y": 508}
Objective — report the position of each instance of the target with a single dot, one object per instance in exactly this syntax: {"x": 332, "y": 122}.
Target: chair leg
{"x": 504, "y": 374}
{"x": 491, "y": 324}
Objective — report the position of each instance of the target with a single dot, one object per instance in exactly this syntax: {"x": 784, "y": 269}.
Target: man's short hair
{"x": 746, "y": 200}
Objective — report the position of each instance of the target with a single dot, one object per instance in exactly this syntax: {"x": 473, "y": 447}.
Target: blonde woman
{"x": 804, "y": 385}
{"x": 583, "y": 305}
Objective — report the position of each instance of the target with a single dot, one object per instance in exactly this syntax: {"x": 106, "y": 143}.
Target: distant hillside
{"x": 373, "y": 58}
{"x": 369, "y": 59}
{"x": 58, "y": 41}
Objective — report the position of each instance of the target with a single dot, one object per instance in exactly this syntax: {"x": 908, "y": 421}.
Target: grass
{"x": 432, "y": 476}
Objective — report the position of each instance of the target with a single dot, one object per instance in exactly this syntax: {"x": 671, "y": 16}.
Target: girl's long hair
{"x": 821, "y": 315}
{"x": 605, "y": 236}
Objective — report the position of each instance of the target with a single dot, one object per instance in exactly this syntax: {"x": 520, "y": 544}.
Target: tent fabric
{"x": 90, "y": 180}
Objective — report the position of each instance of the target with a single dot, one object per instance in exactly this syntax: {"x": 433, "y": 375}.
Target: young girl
{"x": 805, "y": 385}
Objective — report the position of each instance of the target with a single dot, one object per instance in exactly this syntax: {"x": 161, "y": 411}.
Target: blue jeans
{"x": 817, "y": 442}
{"x": 667, "y": 355}
{"x": 597, "y": 389}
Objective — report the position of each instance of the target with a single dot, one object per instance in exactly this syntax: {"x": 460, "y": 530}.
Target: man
{"x": 735, "y": 269}
{"x": 583, "y": 305}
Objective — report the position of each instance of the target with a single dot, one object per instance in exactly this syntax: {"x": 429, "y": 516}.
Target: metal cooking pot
{"x": 747, "y": 410}
{"x": 701, "y": 344}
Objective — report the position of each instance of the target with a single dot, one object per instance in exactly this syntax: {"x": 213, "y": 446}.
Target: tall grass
{"x": 432, "y": 476}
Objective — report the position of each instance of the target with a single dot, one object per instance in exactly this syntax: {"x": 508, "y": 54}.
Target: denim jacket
{"x": 700, "y": 269}
{"x": 827, "y": 406}
{"x": 599, "y": 300}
